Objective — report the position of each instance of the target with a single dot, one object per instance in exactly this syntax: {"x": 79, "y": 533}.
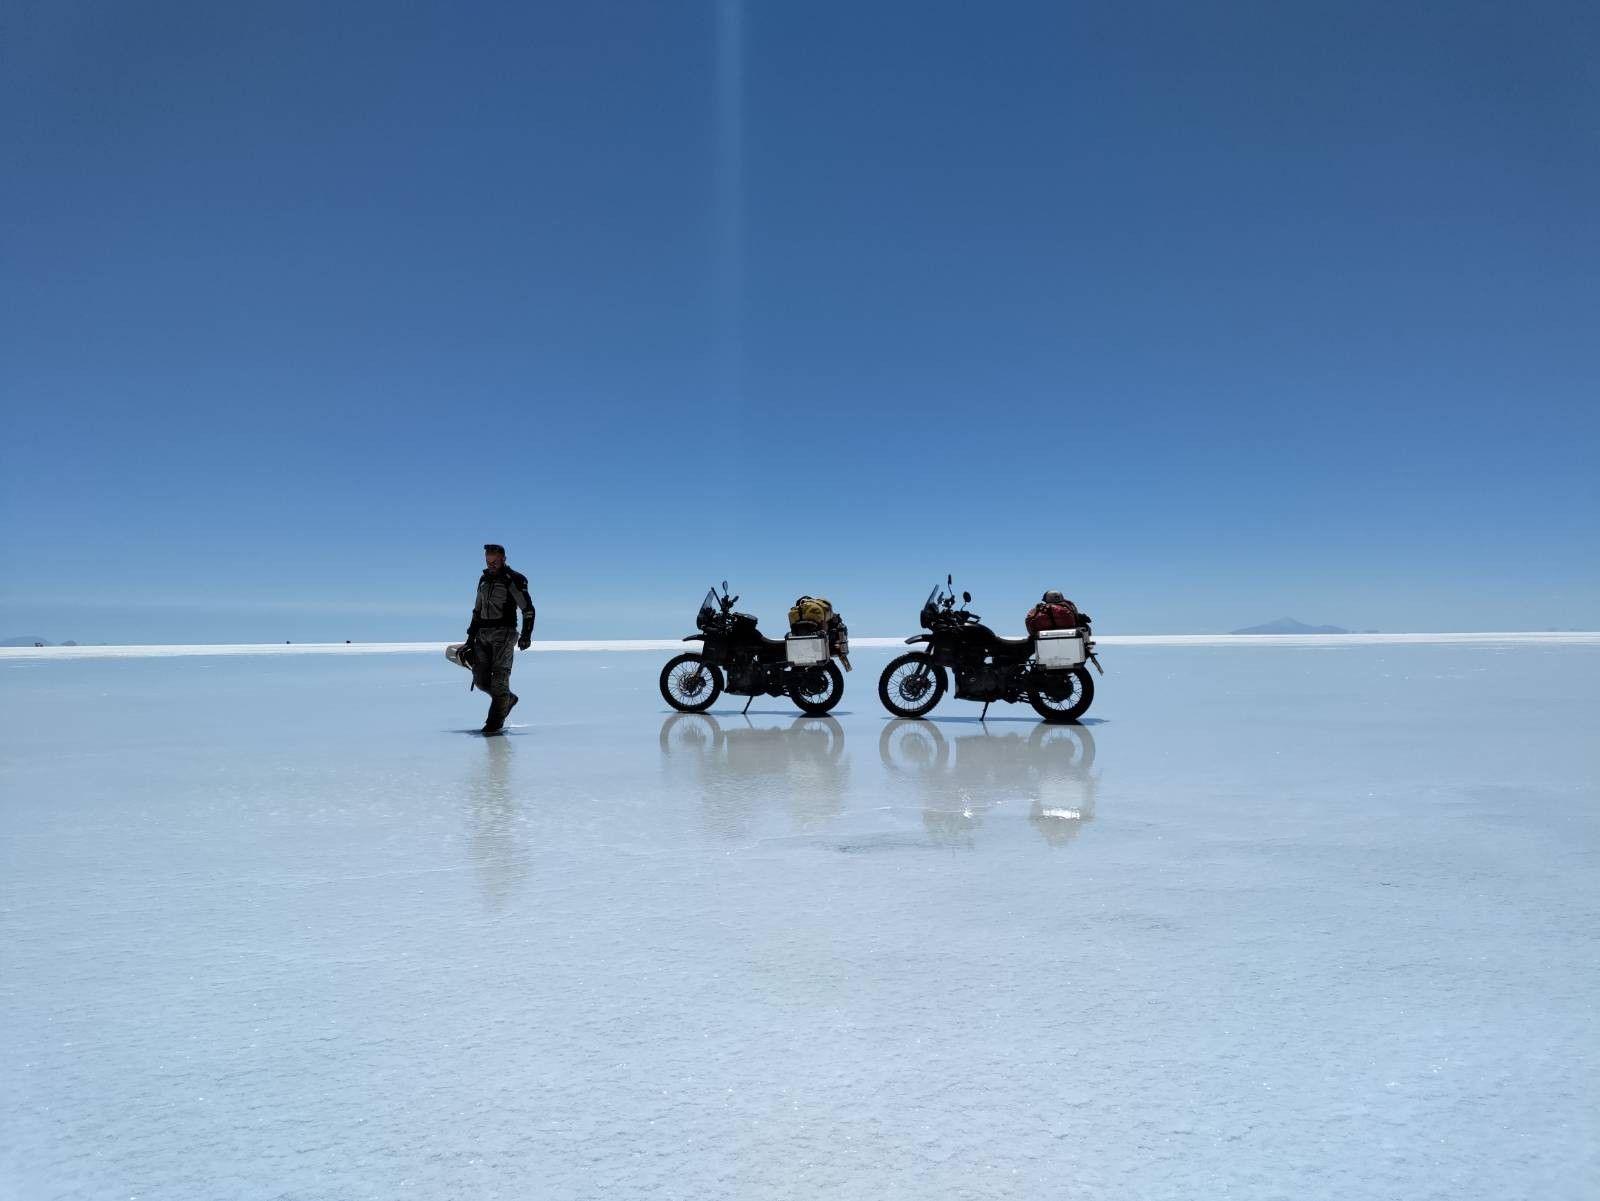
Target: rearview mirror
{"x": 724, "y": 585}
{"x": 966, "y": 598}
{"x": 948, "y": 581}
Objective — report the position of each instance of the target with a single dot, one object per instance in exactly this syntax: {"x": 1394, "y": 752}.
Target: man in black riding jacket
{"x": 502, "y": 594}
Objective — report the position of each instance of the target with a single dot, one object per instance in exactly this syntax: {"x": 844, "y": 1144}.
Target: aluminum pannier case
{"x": 1060, "y": 648}
{"x": 807, "y": 648}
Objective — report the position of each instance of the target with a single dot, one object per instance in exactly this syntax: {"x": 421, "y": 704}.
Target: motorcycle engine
{"x": 744, "y": 677}
{"x": 977, "y": 682}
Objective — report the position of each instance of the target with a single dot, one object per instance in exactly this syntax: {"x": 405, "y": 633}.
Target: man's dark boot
{"x": 496, "y": 720}
{"x": 512, "y": 705}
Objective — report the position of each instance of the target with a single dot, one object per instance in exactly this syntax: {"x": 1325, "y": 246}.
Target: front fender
{"x": 915, "y": 638}
{"x": 695, "y": 638}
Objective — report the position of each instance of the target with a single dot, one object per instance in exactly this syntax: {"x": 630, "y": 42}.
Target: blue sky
{"x": 1205, "y": 314}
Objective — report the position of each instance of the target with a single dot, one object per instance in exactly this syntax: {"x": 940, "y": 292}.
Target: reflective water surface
{"x": 1300, "y": 922}
{"x": 743, "y": 764}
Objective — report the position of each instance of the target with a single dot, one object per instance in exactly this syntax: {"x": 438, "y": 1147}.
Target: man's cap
{"x": 1053, "y": 598}
{"x": 493, "y": 548}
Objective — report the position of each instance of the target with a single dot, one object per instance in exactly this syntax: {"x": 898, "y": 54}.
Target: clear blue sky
{"x": 1205, "y": 314}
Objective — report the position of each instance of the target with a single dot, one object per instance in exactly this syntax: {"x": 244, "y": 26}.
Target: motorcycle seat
{"x": 1026, "y": 640}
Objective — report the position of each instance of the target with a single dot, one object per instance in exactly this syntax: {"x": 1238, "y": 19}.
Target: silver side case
{"x": 807, "y": 649}
{"x": 1057, "y": 649}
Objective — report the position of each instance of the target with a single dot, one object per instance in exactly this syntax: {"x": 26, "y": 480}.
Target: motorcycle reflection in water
{"x": 962, "y": 779}
{"x": 737, "y": 769}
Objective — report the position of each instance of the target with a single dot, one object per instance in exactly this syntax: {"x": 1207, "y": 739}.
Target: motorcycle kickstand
{"x": 984, "y": 716}
{"x": 747, "y": 705}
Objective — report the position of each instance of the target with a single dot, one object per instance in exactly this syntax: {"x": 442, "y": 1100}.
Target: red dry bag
{"x": 1053, "y": 615}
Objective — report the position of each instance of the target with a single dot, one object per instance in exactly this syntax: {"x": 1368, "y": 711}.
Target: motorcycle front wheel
{"x": 1060, "y": 696}
{"x": 689, "y": 684}
{"x": 816, "y": 689}
{"x": 911, "y": 685}
{"x": 914, "y": 748}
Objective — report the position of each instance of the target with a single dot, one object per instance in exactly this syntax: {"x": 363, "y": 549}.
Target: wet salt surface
{"x": 1294, "y": 922}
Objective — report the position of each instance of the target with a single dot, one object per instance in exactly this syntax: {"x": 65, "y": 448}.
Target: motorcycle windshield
{"x": 933, "y": 597}
{"x": 708, "y": 607}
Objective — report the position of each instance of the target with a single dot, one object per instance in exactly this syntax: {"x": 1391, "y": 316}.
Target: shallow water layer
{"x": 1285, "y": 922}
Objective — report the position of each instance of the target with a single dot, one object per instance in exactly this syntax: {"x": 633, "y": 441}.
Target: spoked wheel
{"x": 913, "y": 748}
{"x": 911, "y": 685}
{"x": 820, "y": 738}
{"x": 1067, "y": 748}
{"x": 816, "y": 689}
{"x": 691, "y": 735}
{"x": 689, "y": 684}
{"x": 1059, "y": 696}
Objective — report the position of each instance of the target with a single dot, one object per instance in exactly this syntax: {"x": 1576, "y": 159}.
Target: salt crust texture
{"x": 1288, "y": 923}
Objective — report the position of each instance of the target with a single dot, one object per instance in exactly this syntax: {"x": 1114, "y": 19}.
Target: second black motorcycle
{"x": 737, "y": 657}
{"x": 1045, "y": 669}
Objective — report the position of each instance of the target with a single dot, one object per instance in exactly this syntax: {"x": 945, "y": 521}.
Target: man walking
{"x": 502, "y": 594}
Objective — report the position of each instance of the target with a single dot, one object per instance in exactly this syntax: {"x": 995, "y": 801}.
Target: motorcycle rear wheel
{"x": 1057, "y": 705}
{"x": 816, "y": 689}
{"x": 911, "y": 685}
{"x": 690, "y": 684}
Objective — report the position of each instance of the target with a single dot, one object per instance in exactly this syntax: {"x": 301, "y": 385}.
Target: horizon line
{"x": 198, "y": 649}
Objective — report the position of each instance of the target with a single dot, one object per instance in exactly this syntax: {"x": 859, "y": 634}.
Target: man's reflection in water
{"x": 961, "y": 779}
{"x": 738, "y": 768}
{"x": 496, "y": 844}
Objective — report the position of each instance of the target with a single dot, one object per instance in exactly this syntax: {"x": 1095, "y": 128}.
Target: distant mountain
{"x": 25, "y": 640}
{"x": 1288, "y": 625}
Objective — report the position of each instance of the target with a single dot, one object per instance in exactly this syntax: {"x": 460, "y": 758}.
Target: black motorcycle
{"x": 739, "y": 658}
{"x": 1045, "y": 668}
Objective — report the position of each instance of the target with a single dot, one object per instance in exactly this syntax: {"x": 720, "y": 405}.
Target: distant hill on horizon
{"x": 1288, "y": 625}
{"x": 25, "y": 640}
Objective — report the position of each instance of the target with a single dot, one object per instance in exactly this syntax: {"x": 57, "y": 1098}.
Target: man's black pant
{"x": 492, "y": 653}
